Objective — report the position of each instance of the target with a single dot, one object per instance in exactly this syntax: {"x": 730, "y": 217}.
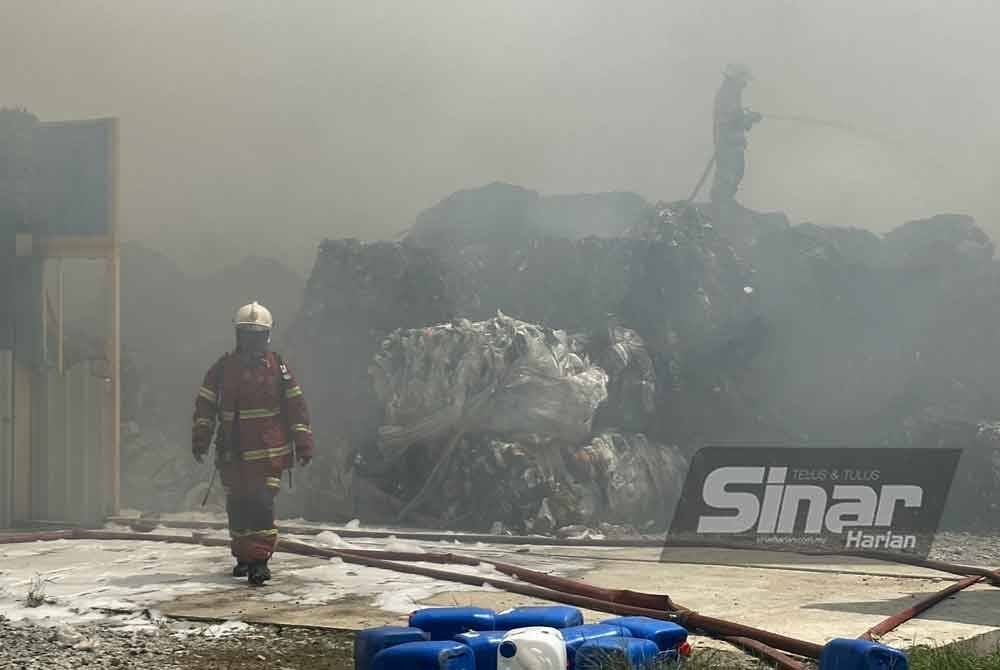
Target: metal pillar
{"x": 6, "y": 437}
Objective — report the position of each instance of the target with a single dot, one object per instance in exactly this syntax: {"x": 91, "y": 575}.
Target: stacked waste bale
{"x": 357, "y": 294}
{"x": 469, "y": 396}
{"x": 490, "y": 423}
{"x": 502, "y": 376}
{"x": 496, "y": 413}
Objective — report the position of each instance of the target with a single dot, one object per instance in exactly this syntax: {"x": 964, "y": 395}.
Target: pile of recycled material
{"x": 466, "y": 375}
{"x": 496, "y": 417}
{"x": 500, "y": 376}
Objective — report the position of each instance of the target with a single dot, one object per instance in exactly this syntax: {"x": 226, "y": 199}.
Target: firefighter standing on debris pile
{"x": 263, "y": 426}
{"x": 732, "y": 122}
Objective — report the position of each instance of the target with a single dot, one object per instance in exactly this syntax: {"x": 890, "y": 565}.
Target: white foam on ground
{"x": 226, "y": 629}
{"x": 330, "y": 539}
{"x": 118, "y": 581}
{"x": 404, "y": 546}
{"x": 85, "y": 580}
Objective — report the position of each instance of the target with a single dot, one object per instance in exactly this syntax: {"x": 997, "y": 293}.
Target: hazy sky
{"x": 264, "y": 126}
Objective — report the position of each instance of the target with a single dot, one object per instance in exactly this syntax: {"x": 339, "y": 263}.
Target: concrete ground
{"x": 810, "y": 598}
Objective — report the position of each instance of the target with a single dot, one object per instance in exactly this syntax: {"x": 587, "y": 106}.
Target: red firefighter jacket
{"x": 261, "y": 413}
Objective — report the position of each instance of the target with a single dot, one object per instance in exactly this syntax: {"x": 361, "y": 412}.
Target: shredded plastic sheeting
{"x": 640, "y": 481}
{"x": 499, "y": 376}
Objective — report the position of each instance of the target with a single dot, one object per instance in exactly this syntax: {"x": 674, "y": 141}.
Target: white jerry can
{"x": 534, "y": 648}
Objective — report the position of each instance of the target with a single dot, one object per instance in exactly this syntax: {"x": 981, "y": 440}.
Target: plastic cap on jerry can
{"x": 550, "y": 616}
{"x": 484, "y": 646}
{"x": 847, "y": 654}
{"x": 576, "y": 636}
{"x": 618, "y": 652}
{"x": 434, "y": 655}
{"x": 534, "y": 648}
{"x": 667, "y": 635}
{"x": 444, "y": 623}
{"x": 369, "y": 642}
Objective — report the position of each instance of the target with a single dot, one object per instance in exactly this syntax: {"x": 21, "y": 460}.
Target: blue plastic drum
{"x": 484, "y": 646}
{"x": 444, "y": 623}
{"x": 667, "y": 636}
{"x": 617, "y": 652}
{"x": 842, "y": 654}
{"x": 369, "y": 642}
{"x": 550, "y": 616}
{"x": 425, "y": 656}
{"x": 576, "y": 636}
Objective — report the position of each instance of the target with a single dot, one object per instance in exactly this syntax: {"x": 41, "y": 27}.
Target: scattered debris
{"x": 36, "y": 593}
{"x": 225, "y": 629}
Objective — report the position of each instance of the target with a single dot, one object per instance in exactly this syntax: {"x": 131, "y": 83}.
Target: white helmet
{"x": 253, "y": 317}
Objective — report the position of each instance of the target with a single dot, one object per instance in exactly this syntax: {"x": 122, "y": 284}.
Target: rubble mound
{"x": 942, "y": 240}
{"x": 687, "y": 286}
{"x": 974, "y": 499}
{"x": 675, "y": 331}
{"x": 504, "y": 215}
{"x": 446, "y": 401}
{"x": 674, "y": 278}
{"x": 866, "y": 331}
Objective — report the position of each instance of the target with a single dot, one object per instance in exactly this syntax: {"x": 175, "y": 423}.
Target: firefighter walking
{"x": 250, "y": 402}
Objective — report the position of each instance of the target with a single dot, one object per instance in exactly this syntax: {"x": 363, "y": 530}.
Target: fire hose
{"x": 549, "y": 587}
{"x": 919, "y": 607}
{"x": 991, "y": 575}
{"x": 532, "y": 583}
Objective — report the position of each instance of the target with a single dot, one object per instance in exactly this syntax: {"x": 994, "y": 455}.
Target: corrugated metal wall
{"x": 6, "y": 437}
{"x": 70, "y": 445}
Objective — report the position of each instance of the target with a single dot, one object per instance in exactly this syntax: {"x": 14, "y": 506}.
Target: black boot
{"x": 241, "y": 569}
{"x": 258, "y": 573}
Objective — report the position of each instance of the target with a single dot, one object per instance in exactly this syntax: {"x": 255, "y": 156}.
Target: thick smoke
{"x": 263, "y": 127}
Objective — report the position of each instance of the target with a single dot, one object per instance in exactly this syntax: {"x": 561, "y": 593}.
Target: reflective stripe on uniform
{"x": 273, "y": 482}
{"x": 261, "y": 454}
{"x": 251, "y": 414}
{"x": 208, "y": 394}
{"x": 302, "y": 428}
{"x": 293, "y": 392}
